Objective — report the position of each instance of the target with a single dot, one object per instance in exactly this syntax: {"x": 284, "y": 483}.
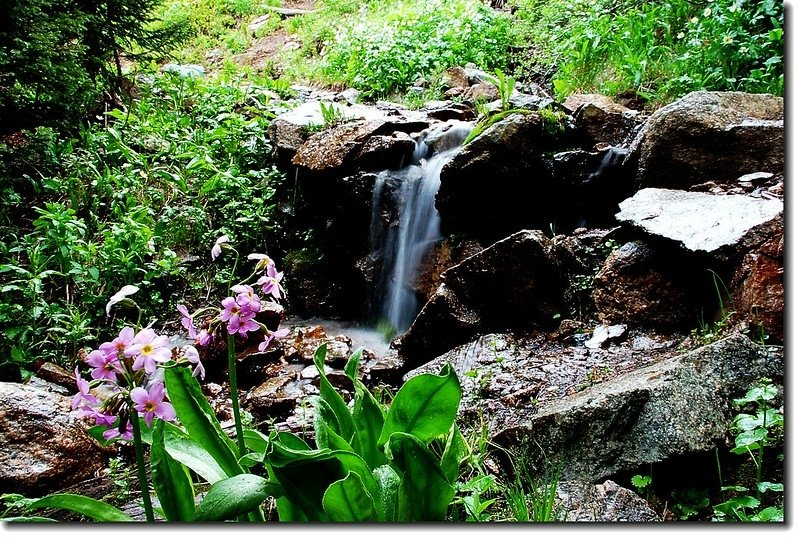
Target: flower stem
{"x": 137, "y": 443}
{"x": 234, "y": 392}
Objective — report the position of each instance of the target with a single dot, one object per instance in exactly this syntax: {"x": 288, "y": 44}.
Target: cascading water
{"x": 403, "y": 243}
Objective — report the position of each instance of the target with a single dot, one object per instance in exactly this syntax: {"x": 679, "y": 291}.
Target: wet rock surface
{"x": 710, "y": 136}
{"x": 703, "y": 222}
{"x": 516, "y": 282}
{"x": 44, "y": 448}
{"x": 607, "y": 502}
{"x": 601, "y": 120}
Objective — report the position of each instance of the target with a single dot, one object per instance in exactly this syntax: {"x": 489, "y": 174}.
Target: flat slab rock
{"x": 701, "y": 222}
{"x": 608, "y": 502}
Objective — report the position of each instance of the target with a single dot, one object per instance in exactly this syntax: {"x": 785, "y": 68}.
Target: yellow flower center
{"x": 147, "y": 349}
{"x": 149, "y": 406}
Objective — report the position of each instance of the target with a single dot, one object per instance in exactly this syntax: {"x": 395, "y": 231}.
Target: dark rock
{"x": 515, "y": 283}
{"x": 608, "y": 502}
{"x": 757, "y": 289}
{"x": 386, "y": 151}
{"x": 679, "y": 405}
{"x": 599, "y": 119}
{"x": 44, "y": 447}
{"x": 57, "y": 375}
{"x": 447, "y": 111}
{"x": 710, "y": 136}
{"x": 700, "y": 222}
{"x": 520, "y": 191}
{"x": 482, "y": 91}
{"x": 639, "y": 287}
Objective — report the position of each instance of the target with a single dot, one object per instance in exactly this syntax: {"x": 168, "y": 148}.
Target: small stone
{"x": 757, "y": 177}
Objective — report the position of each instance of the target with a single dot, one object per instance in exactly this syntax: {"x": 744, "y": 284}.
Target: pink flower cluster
{"x": 238, "y": 312}
{"x": 117, "y": 386}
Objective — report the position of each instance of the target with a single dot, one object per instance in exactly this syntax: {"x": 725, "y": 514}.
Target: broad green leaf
{"x": 770, "y": 514}
{"x": 424, "y": 407}
{"x": 388, "y": 482}
{"x": 424, "y": 492}
{"x": 171, "y": 480}
{"x": 367, "y": 415}
{"x": 326, "y": 436}
{"x": 345, "y": 427}
{"x": 83, "y": 505}
{"x": 353, "y": 364}
{"x": 188, "y": 452}
{"x": 347, "y": 500}
{"x": 455, "y": 452}
{"x": 235, "y": 496}
{"x": 199, "y": 420}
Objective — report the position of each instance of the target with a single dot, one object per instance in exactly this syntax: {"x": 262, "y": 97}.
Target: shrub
{"x": 390, "y": 45}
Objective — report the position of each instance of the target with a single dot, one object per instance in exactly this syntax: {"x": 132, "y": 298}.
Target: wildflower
{"x": 733, "y": 8}
{"x": 114, "y": 432}
{"x": 277, "y": 334}
{"x": 193, "y": 356}
{"x": 694, "y": 20}
{"x": 263, "y": 261}
{"x": 680, "y": 35}
{"x": 201, "y": 338}
{"x": 187, "y": 321}
{"x": 120, "y": 343}
{"x": 743, "y": 50}
{"x": 105, "y": 366}
{"x": 240, "y": 319}
{"x": 271, "y": 282}
{"x": 83, "y": 395}
{"x": 727, "y": 40}
{"x": 246, "y": 297}
{"x": 707, "y": 12}
{"x": 151, "y": 403}
{"x": 148, "y": 348}
{"x": 217, "y": 247}
{"x": 121, "y": 295}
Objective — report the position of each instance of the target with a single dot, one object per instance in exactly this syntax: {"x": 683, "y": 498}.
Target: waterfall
{"x": 403, "y": 239}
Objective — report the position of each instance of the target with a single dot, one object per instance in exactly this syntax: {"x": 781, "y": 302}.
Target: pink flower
{"x": 148, "y": 348}
{"x": 271, "y": 282}
{"x": 106, "y": 366}
{"x": 83, "y": 395}
{"x": 99, "y": 418}
{"x": 118, "y": 345}
{"x": 277, "y": 334}
{"x": 240, "y": 319}
{"x": 151, "y": 403}
{"x": 121, "y": 295}
{"x": 246, "y": 297}
{"x": 113, "y": 432}
{"x": 194, "y": 357}
{"x": 187, "y": 321}
{"x": 217, "y": 247}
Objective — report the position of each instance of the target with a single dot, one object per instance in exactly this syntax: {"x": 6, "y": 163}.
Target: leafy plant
{"x": 756, "y": 432}
{"x": 369, "y": 465}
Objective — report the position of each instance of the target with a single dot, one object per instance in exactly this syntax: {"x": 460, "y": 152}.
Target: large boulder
{"x": 290, "y": 130}
{"x": 724, "y": 226}
{"x": 503, "y": 172}
{"x": 600, "y": 120}
{"x": 710, "y": 136}
{"x": 597, "y": 412}
{"x": 641, "y": 286}
{"x": 517, "y": 282}
{"x": 44, "y": 447}
{"x": 677, "y": 406}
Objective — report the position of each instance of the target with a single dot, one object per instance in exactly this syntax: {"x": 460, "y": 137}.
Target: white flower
{"x": 707, "y": 12}
{"x": 217, "y": 248}
{"x": 680, "y": 35}
{"x": 121, "y": 295}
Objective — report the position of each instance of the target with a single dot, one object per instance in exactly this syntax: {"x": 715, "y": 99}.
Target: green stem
{"x": 137, "y": 443}
{"x": 234, "y": 393}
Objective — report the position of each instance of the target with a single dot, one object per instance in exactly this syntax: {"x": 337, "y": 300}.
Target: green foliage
{"x": 389, "y": 45}
{"x": 660, "y": 50}
{"x": 756, "y": 431}
{"x": 56, "y": 58}
{"x": 369, "y": 465}
{"x": 184, "y": 165}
